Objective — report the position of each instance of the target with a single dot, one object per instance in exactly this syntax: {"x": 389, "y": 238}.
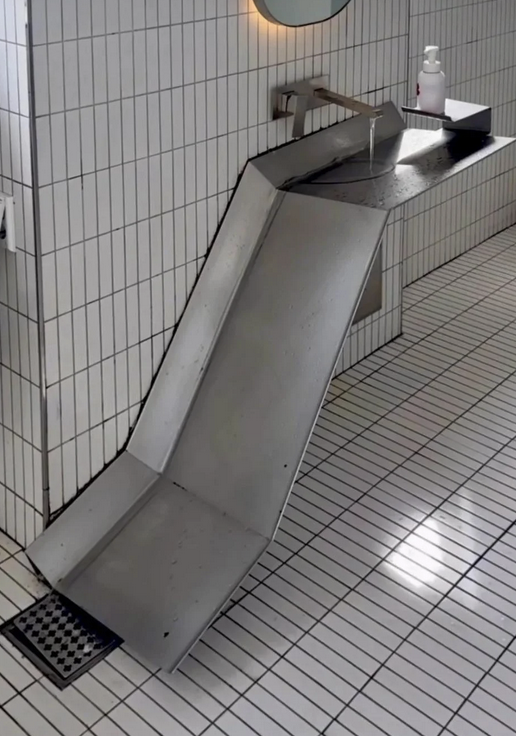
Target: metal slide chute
{"x": 158, "y": 543}
{"x": 162, "y": 571}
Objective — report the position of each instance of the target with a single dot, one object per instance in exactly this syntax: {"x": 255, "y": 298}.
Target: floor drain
{"x": 60, "y": 639}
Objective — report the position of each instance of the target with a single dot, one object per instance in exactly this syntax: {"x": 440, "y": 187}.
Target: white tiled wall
{"x": 146, "y": 112}
{"x": 478, "y": 51}
{"x": 464, "y": 212}
{"x": 20, "y": 436}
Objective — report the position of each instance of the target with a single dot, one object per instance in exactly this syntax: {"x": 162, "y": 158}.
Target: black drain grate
{"x": 60, "y": 639}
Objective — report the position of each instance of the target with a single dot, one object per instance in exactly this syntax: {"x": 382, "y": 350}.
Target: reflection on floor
{"x": 387, "y": 603}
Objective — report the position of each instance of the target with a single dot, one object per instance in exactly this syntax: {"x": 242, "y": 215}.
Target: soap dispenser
{"x": 432, "y": 84}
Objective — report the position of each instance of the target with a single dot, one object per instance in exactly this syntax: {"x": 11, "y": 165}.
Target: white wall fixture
{"x": 7, "y": 229}
{"x": 299, "y": 12}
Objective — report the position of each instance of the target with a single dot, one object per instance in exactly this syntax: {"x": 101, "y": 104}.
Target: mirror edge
{"x": 262, "y": 8}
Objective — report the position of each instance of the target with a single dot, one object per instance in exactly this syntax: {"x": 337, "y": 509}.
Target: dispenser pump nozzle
{"x": 431, "y": 63}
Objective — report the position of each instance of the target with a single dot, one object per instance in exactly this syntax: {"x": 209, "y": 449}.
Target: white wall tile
{"x": 20, "y": 466}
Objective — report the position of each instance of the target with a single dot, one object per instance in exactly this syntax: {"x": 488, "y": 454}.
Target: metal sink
{"x": 160, "y": 540}
{"x": 410, "y": 163}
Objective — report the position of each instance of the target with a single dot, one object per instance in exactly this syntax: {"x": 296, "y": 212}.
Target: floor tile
{"x": 8, "y": 726}
{"x": 386, "y": 605}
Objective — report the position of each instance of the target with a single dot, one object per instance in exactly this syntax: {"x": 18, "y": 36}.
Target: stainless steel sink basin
{"x": 356, "y": 169}
{"x": 407, "y": 164}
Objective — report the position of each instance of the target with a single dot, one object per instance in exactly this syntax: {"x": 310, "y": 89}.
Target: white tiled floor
{"x": 387, "y": 603}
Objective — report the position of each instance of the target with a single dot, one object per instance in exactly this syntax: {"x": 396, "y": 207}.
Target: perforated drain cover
{"x": 60, "y": 639}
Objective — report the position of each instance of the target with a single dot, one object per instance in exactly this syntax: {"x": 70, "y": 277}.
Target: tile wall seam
{"x": 36, "y": 205}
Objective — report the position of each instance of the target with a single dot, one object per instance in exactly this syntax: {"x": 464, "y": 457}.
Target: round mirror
{"x": 299, "y": 12}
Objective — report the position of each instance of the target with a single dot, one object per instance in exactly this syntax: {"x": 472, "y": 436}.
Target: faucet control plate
{"x": 286, "y": 97}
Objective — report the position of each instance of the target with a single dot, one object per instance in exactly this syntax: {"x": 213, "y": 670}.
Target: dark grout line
{"x": 421, "y": 340}
{"x": 425, "y": 618}
{"x": 414, "y": 454}
{"x": 486, "y": 674}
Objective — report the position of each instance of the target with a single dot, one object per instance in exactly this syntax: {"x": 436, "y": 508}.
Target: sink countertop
{"x": 421, "y": 159}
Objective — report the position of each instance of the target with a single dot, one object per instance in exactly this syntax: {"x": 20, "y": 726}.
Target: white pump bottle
{"x": 432, "y": 84}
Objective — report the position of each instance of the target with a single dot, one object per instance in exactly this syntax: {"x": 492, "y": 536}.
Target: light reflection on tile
{"x": 422, "y": 564}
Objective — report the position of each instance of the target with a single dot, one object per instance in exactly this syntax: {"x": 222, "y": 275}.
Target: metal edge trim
{"x": 36, "y": 206}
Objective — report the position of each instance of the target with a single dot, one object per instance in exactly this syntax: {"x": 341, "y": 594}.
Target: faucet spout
{"x": 297, "y": 98}
{"x": 348, "y": 102}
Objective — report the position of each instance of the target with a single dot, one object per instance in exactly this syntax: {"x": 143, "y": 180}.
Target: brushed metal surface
{"x": 296, "y": 98}
{"x": 286, "y": 94}
{"x": 348, "y": 103}
{"x": 327, "y": 147}
{"x": 167, "y": 406}
{"x": 422, "y": 159}
{"x": 168, "y": 571}
{"x": 459, "y": 116}
{"x": 274, "y": 359}
{"x": 162, "y": 580}
{"x": 86, "y": 527}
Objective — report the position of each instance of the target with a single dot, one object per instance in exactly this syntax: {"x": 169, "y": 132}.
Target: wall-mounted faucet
{"x": 295, "y": 99}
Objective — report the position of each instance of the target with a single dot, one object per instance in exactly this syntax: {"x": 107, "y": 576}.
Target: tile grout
{"x": 415, "y": 453}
